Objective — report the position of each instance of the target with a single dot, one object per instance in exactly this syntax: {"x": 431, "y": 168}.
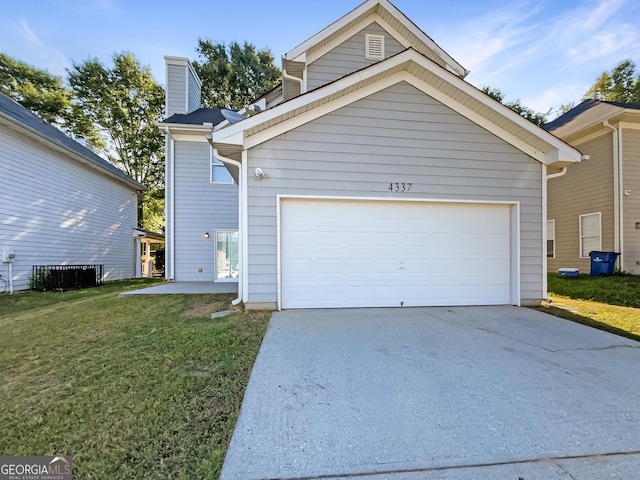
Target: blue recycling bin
{"x": 602, "y": 263}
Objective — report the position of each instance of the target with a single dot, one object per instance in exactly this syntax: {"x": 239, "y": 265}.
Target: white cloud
{"x": 36, "y": 52}
{"x": 555, "y": 97}
{"x": 604, "y": 45}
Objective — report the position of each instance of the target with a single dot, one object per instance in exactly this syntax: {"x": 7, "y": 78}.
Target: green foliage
{"x": 138, "y": 387}
{"x": 35, "y": 89}
{"x": 41, "y": 281}
{"x": 566, "y": 107}
{"x": 517, "y": 106}
{"x": 151, "y": 216}
{"x": 125, "y": 102}
{"x": 234, "y": 76}
{"x": 622, "y": 84}
{"x": 621, "y": 290}
{"x": 159, "y": 256}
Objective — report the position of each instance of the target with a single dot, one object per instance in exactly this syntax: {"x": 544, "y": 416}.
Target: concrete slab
{"x": 172, "y": 288}
{"x": 447, "y": 393}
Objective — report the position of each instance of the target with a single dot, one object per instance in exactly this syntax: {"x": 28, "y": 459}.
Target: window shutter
{"x": 374, "y": 47}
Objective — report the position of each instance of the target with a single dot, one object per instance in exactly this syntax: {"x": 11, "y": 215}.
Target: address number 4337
{"x": 399, "y": 187}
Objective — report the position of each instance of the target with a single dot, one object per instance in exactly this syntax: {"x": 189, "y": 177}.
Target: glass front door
{"x": 226, "y": 255}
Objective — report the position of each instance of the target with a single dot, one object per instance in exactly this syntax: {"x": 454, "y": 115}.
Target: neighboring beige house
{"x": 595, "y": 205}
{"x": 377, "y": 177}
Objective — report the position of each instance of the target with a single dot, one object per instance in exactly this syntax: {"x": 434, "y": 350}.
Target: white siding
{"x": 176, "y": 89}
{"x": 200, "y": 207}
{"x": 54, "y": 211}
{"x": 396, "y": 135}
{"x": 348, "y": 57}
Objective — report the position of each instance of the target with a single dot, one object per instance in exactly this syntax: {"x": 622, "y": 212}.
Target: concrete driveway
{"x": 438, "y": 393}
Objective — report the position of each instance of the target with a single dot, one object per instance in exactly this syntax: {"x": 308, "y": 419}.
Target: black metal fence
{"x": 66, "y": 277}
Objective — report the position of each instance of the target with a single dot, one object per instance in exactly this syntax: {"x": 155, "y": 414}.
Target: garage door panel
{"x": 377, "y": 253}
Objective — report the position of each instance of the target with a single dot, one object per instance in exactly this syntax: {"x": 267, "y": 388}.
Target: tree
{"x": 234, "y": 76}
{"x": 621, "y": 85}
{"x": 124, "y": 103}
{"x": 517, "y": 106}
{"x": 35, "y": 89}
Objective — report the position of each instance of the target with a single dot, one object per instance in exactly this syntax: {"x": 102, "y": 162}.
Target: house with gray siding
{"x": 60, "y": 203}
{"x": 381, "y": 178}
{"x": 595, "y": 205}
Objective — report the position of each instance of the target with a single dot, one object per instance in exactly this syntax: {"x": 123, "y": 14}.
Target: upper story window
{"x": 374, "y": 47}
{"x": 219, "y": 173}
{"x": 590, "y": 233}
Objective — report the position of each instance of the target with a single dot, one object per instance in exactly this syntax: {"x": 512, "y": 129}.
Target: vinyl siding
{"x": 176, "y": 90}
{"x": 631, "y": 215}
{"x": 194, "y": 93}
{"x": 55, "y": 211}
{"x": 587, "y": 187}
{"x": 396, "y": 135}
{"x": 200, "y": 207}
{"x": 348, "y": 57}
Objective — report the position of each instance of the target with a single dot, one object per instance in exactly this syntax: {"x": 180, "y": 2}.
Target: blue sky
{"x": 544, "y": 52}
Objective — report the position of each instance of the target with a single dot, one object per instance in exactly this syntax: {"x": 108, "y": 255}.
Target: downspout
{"x": 617, "y": 192}
{"x": 170, "y": 205}
{"x": 295, "y": 79}
{"x": 10, "y": 278}
{"x": 241, "y": 187}
{"x": 557, "y": 174}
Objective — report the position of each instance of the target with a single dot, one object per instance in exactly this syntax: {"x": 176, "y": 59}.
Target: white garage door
{"x": 384, "y": 253}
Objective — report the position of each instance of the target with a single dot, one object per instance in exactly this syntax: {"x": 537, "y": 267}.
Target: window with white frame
{"x": 219, "y": 173}
{"x": 551, "y": 239}
{"x": 227, "y": 259}
{"x": 590, "y": 233}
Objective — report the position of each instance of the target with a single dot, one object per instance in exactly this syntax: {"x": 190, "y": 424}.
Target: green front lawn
{"x": 621, "y": 290}
{"x": 136, "y": 387}
{"x": 607, "y": 303}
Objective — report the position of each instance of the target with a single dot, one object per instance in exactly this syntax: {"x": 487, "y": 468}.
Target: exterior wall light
{"x": 206, "y": 235}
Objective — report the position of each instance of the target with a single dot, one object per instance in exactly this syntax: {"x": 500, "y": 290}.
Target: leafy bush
{"x": 41, "y": 281}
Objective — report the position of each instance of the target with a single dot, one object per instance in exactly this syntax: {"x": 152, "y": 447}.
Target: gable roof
{"x": 412, "y": 67}
{"x": 394, "y": 19}
{"x": 24, "y": 118}
{"x": 589, "y": 116}
{"x": 197, "y": 117}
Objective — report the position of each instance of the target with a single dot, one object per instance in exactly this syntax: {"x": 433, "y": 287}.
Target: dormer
{"x": 374, "y": 31}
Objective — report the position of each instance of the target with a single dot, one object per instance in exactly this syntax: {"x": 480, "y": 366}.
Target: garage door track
{"x": 438, "y": 393}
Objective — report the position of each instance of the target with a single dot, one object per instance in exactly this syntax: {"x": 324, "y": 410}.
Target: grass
{"x": 607, "y": 303}
{"x": 137, "y": 387}
{"x": 623, "y": 290}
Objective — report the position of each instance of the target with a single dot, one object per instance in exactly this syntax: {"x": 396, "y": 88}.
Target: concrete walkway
{"x": 186, "y": 288}
{"x": 438, "y": 393}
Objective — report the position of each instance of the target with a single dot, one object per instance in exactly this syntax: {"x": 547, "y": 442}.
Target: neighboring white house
{"x": 60, "y": 203}
{"x": 378, "y": 177}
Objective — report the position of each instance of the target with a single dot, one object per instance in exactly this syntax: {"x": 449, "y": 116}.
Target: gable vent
{"x": 374, "y": 47}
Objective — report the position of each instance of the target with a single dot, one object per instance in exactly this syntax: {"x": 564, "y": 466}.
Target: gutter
{"x": 618, "y": 200}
